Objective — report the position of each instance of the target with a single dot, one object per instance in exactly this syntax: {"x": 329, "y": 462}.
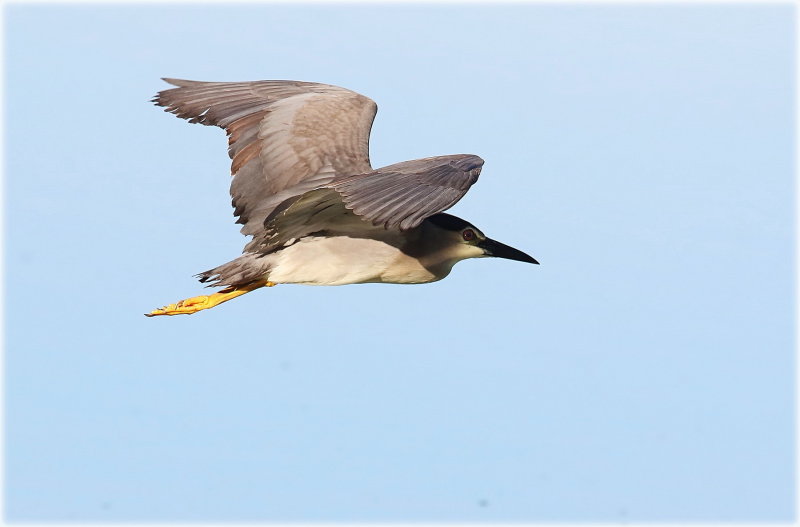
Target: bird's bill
{"x": 501, "y": 250}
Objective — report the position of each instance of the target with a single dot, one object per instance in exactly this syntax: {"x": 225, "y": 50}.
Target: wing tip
{"x": 468, "y": 162}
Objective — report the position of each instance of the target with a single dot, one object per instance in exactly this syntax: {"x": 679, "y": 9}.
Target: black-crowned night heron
{"x": 317, "y": 211}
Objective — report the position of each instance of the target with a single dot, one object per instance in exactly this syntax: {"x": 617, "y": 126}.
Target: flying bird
{"x": 317, "y": 212}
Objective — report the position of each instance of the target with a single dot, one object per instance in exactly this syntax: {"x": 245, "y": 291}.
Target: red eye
{"x": 468, "y": 235}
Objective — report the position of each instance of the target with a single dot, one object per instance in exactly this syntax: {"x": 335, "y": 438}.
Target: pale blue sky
{"x": 643, "y": 372}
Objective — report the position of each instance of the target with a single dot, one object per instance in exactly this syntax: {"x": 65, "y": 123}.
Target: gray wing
{"x": 403, "y": 195}
{"x": 284, "y": 137}
{"x": 398, "y": 196}
{"x": 318, "y": 211}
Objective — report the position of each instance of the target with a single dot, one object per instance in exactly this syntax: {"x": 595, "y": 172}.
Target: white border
{"x": 795, "y": 3}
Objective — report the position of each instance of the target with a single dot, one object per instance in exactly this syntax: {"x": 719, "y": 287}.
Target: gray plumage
{"x": 303, "y": 188}
{"x": 404, "y": 194}
{"x": 284, "y": 137}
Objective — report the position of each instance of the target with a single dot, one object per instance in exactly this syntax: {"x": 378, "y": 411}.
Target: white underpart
{"x": 341, "y": 260}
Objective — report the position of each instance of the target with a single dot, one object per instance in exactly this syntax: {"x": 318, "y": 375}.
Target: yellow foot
{"x": 198, "y": 303}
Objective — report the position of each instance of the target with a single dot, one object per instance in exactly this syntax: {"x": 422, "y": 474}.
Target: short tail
{"x": 247, "y": 268}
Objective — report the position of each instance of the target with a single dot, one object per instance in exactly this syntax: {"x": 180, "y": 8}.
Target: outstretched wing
{"x": 403, "y": 195}
{"x": 398, "y": 196}
{"x": 284, "y": 137}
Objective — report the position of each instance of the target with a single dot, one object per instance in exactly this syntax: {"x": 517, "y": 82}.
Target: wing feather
{"x": 300, "y": 160}
{"x": 403, "y": 195}
{"x": 399, "y": 196}
{"x": 281, "y": 134}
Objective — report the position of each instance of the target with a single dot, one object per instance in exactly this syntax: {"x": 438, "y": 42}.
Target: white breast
{"x": 343, "y": 260}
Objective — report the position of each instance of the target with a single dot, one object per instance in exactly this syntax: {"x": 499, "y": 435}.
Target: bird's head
{"x": 467, "y": 241}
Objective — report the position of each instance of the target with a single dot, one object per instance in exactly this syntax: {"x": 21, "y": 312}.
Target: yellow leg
{"x": 198, "y": 303}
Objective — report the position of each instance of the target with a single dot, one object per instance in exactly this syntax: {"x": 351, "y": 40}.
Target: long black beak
{"x": 501, "y": 250}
